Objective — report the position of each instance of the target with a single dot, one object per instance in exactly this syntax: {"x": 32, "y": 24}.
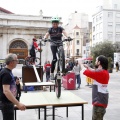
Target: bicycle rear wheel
{"x": 37, "y": 61}
{"x": 58, "y": 87}
{"x": 62, "y": 60}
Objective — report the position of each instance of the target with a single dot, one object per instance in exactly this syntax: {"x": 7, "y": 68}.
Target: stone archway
{"x": 20, "y": 48}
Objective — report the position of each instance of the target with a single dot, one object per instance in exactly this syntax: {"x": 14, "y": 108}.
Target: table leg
{"x": 50, "y": 88}
{"x": 45, "y": 118}
{"x": 53, "y": 113}
{"x": 67, "y": 111}
{"x": 39, "y": 113}
{"x": 54, "y": 88}
{"x": 82, "y": 112}
{"x": 15, "y": 114}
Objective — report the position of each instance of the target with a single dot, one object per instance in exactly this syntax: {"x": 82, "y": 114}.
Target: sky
{"x": 61, "y": 8}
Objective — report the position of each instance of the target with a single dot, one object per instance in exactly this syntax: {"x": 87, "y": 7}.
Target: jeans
{"x": 47, "y": 76}
{"x": 78, "y": 80}
{"x": 98, "y": 113}
{"x": 8, "y": 111}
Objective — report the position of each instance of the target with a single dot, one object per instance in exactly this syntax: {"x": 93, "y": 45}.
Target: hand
{"x": 85, "y": 65}
{"x": 21, "y": 106}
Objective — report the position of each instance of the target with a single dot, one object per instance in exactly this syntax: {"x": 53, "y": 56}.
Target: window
{"x": 78, "y": 42}
{"x": 84, "y": 51}
{"x": 110, "y": 26}
{"x": 100, "y": 34}
{"x": 118, "y": 26}
{"x": 118, "y": 15}
{"x": 110, "y": 36}
{"x": 93, "y": 20}
{"x": 93, "y": 29}
{"x": 77, "y": 51}
{"x": 93, "y": 37}
{"x": 115, "y": 6}
{"x": 100, "y": 16}
{"x": 97, "y": 18}
{"x": 97, "y": 36}
{"x": 117, "y": 37}
{"x": 110, "y": 14}
{"x": 77, "y": 33}
{"x": 97, "y": 27}
{"x": 100, "y": 25}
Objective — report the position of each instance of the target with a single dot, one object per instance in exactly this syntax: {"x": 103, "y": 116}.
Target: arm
{"x": 65, "y": 34}
{"x": 9, "y": 95}
{"x": 46, "y": 35}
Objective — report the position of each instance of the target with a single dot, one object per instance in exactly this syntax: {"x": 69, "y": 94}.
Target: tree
{"x": 106, "y": 48}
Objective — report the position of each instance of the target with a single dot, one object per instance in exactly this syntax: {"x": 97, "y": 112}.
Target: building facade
{"x": 76, "y": 28}
{"x": 17, "y": 32}
{"x": 106, "y": 22}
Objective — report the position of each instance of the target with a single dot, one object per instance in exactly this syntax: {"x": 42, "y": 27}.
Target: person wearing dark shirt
{"x": 100, "y": 92}
{"x": 33, "y": 48}
{"x": 8, "y": 90}
{"x": 55, "y": 33}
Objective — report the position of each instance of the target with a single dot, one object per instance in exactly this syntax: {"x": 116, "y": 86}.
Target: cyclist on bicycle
{"x": 55, "y": 33}
{"x": 33, "y": 47}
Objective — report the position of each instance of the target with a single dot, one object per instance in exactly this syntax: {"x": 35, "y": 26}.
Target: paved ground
{"x": 85, "y": 93}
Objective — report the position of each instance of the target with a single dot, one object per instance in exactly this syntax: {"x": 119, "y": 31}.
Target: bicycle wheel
{"x": 28, "y": 61}
{"x": 62, "y": 60}
{"x": 36, "y": 61}
{"x": 58, "y": 87}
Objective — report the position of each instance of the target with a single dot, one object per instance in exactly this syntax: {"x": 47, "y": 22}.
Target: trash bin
{"x": 69, "y": 81}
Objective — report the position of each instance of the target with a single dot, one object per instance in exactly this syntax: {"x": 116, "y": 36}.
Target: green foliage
{"x": 106, "y": 48}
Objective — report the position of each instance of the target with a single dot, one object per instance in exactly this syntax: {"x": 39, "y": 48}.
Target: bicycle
{"x": 32, "y": 61}
{"x": 60, "y": 65}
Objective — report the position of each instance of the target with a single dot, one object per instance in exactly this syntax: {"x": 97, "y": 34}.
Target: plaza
{"x": 112, "y": 112}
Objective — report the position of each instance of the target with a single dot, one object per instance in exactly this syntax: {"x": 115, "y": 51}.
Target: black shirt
{"x": 56, "y": 33}
{"x": 7, "y": 78}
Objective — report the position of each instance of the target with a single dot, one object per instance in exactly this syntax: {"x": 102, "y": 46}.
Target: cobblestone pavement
{"x": 85, "y": 93}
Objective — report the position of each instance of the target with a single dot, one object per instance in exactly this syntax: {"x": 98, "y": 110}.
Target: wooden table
{"x": 44, "y": 99}
{"x": 39, "y": 84}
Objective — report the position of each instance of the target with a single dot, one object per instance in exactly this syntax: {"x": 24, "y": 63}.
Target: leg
{"x": 79, "y": 81}
{"x": 45, "y": 113}
{"x": 54, "y": 51}
{"x": 38, "y": 113}
{"x": 67, "y": 111}
{"x": 8, "y": 111}
{"x": 50, "y": 88}
{"x": 98, "y": 113}
{"x": 15, "y": 112}
{"x": 53, "y": 113}
{"x": 82, "y": 111}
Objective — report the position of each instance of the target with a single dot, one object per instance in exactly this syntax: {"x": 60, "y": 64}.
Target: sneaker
{"x": 52, "y": 76}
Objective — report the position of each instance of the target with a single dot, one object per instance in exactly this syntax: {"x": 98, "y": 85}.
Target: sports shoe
{"x": 52, "y": 76}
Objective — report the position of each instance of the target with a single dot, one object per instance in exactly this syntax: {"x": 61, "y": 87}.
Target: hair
{"x": 103, "y": 62}
{"x": 55, "y": 21}
{"x": 9, "y": 58}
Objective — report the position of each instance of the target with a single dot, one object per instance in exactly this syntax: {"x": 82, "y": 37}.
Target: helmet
{"x": 34, "y": 39}
{"x": 55, "y": 19}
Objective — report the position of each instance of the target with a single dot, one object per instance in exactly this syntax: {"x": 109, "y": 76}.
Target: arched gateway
{"x": 20, "y": 48}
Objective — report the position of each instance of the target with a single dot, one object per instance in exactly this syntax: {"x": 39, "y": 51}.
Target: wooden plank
{"x": 36, "y": 73}
{"x": 39, "y": 84}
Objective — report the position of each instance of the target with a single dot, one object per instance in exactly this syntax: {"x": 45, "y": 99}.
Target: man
{"x": 33, "y": 47}
{"x": 55, "y": 33}
{"x": 100, "y": 93}
{"x": 8, "y": 89}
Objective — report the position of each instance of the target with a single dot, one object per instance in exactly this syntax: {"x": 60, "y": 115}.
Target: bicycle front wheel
{"x": 62, "y": 60}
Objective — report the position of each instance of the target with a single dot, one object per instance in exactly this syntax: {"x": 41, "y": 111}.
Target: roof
{"x": 76, "y": 27}
{"x": 5, "y": 11}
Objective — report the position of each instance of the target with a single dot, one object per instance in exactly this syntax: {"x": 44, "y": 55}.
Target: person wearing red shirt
{"x": 47, "y": 68}
{"x": 100, "y": 93}
{"x": 33, "y": 47}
